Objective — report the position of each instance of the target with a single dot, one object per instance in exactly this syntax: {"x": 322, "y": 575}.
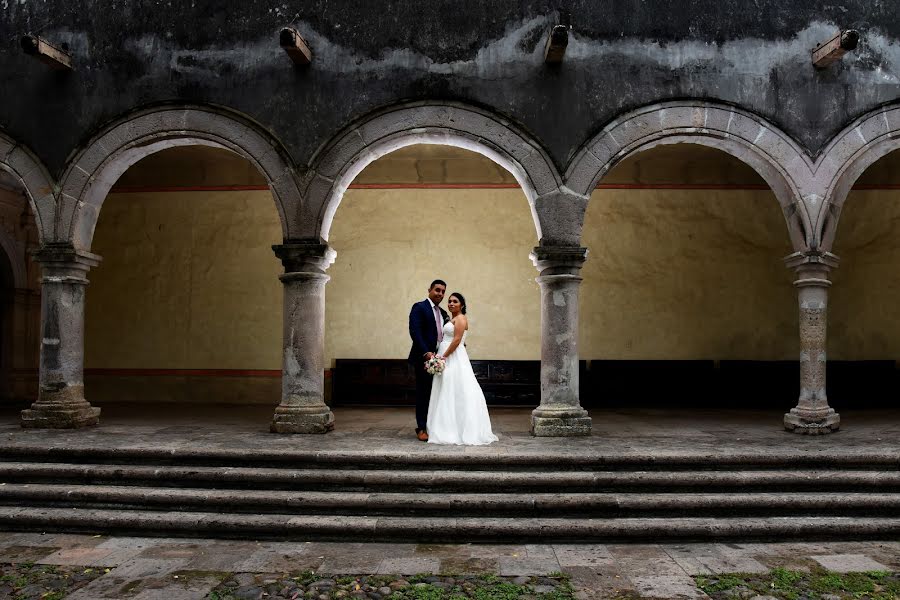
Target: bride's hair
{"x": 462, "y": 301}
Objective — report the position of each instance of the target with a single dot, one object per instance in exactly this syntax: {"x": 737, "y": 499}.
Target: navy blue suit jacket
{"x": 423, "y": 330}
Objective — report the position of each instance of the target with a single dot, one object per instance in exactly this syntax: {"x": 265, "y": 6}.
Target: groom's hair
{"x": 437, "y": 282}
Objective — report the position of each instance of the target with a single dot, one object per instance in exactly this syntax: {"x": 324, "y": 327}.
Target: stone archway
{"x": 788, "y": 171}
{"x": 845, "y": 158}
{"x": 8, "y": 286}
{"x": 39, "y": 187}
{"x": 774, "y": 155}
{"x": 18, "y": 306}
{"x": 84, "y": 186}
{"x": 93, "y": 171}
{"x": 558, "y": 257}
{"x": 851, "y": 172}
{"x": 450, "y": 124}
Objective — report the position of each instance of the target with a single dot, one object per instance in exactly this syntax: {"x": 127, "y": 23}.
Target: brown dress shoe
{"x": 422, "y": 435}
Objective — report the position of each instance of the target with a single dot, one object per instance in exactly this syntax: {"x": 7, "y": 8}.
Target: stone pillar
{"x": 812, "y": 415}
{"x": 61, "y": 403}
{"x": 303, "y": 408}
{"x": 560, "y": 413}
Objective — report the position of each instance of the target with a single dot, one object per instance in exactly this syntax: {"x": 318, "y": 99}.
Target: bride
{"x": 457, "y": 412}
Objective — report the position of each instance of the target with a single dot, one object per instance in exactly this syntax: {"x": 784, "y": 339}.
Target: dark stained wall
{"x": 622, "y": 54}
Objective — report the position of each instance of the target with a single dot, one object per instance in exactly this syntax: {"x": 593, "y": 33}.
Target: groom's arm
{"x": 415, "y": 331}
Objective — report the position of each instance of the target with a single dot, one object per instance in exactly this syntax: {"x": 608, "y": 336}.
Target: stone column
{"x": 61, "y": 403}
{"x": 303, "y": 408}
{"x": 812, "y": 415}
{"x": 560, "y": 413}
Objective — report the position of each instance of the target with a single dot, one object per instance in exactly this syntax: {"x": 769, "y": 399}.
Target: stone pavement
{"x": 380, "y": 430}
{"x": 182, "y": 569}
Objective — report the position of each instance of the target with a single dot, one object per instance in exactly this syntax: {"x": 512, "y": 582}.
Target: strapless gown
{"x": 457, "y": 411}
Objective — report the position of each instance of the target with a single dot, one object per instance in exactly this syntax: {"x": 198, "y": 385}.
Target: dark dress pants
{"x": 423, "y": 393}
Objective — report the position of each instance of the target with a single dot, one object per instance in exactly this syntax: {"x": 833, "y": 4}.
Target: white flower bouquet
{"x": 435, "y": 365}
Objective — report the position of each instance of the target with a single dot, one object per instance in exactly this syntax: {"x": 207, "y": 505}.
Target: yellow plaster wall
{"x": 863, "y": 315}
{"x": 686, "y": 274}
{"x": 392, "y": 243}
{"x": 188, "y": 280}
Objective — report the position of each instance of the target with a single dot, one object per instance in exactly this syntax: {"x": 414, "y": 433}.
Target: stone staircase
{"x": 448, "y": 496}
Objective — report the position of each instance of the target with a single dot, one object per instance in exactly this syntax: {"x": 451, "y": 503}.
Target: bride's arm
{"x": 459, "y": 328}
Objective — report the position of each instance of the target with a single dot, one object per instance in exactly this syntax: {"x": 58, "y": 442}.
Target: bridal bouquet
{"x": 435, "y": 365}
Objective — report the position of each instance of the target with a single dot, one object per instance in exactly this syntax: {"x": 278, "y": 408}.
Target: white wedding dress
{"x": 457, "y": 412}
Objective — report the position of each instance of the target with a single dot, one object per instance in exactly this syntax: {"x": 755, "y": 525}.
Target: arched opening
{"x": 184, "y": 311}
{"x": 7, "y": 307}
{"x": 685, "y": 299}
{"x": 20, "y": 297}
{"x": 863, "y": 323}
{"x": 420, "y": 213}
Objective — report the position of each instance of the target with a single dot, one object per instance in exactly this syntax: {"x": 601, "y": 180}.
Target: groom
{"x": 426, "y": 322}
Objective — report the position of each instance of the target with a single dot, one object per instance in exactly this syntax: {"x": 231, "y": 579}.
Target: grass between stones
{"x": 308, "y": 586}
{"x": 28, "y": 581}
{"x": 817, "y": 584}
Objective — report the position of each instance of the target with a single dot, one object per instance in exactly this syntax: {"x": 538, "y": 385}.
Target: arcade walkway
{"x": 635, "y": 433}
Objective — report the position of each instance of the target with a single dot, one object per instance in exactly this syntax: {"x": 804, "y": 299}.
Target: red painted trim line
{"x": 142, "y": 189}
{"x": 434, "y": 186}
{"x": 681, "y": 186}
{"x": 185, "y": 372}
{"x": 273, "y": 373}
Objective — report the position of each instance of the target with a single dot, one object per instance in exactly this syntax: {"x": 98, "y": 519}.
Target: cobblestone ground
{"x": 379, "y": 587}
{"x": 28, "y": 581}
{"x": 82, "y": 567}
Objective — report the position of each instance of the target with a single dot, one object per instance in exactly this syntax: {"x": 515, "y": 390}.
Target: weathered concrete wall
{"x": 621, "y": 55}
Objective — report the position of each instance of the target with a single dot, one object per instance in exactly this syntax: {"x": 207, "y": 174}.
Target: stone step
{"x": 440, "y": 529}
{"x": 451, "y": 480}
{"x": 572, "y": 505}
{"x": 429, "y": 457}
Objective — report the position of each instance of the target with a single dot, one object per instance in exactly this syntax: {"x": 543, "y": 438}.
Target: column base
{"x": 60, "y": 416}
{"x": 812, "y": 422}
{"x": 293, "y": 420}
{"x": 560, "y": 423}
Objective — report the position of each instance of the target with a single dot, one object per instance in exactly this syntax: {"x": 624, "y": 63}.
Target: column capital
{"x": 811, "y": 259}
{"x": 63, "y": 263}
{"x": 558, "y": 260}
{"x": 58, "y": 253}
{"x": 812, "y": 268}
{"x": 299, "y": 256}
